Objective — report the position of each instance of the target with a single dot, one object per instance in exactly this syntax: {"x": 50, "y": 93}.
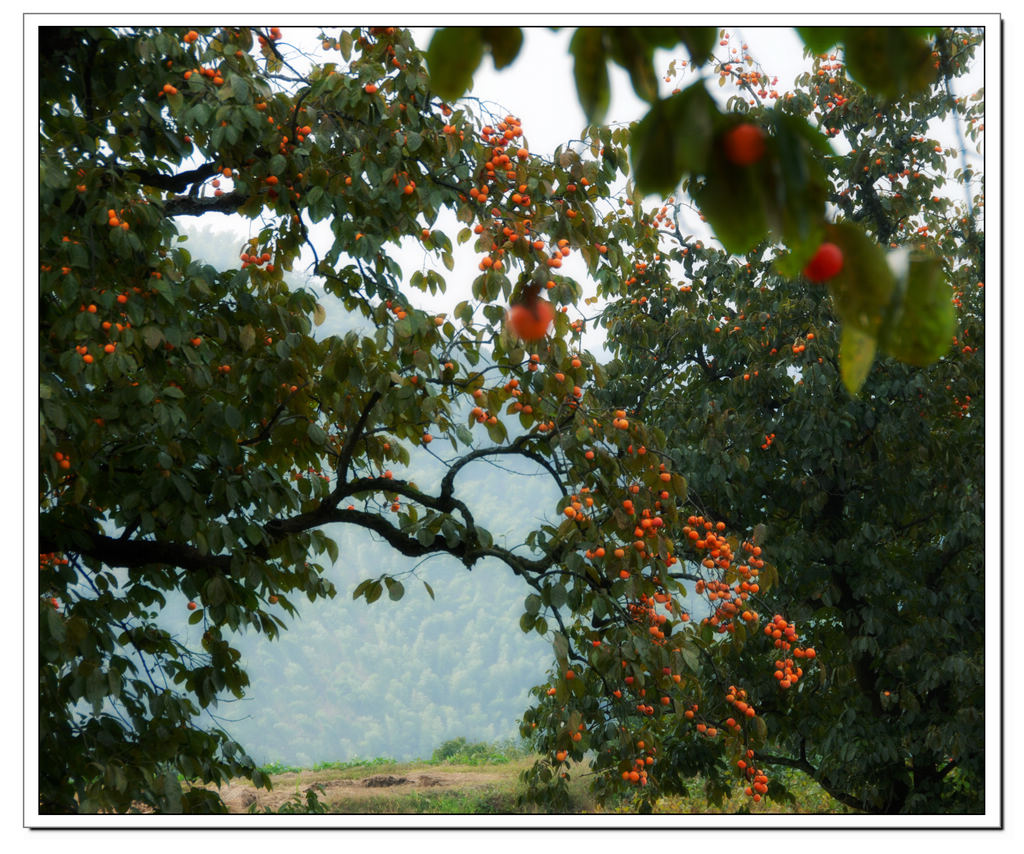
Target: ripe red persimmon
{"x": 531, "y": 323}
{"x": 825, "y": 264}
{"x": 744, "y": 144}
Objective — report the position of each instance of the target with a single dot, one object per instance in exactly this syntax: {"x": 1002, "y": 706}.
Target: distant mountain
{"x": 396, "y": 679}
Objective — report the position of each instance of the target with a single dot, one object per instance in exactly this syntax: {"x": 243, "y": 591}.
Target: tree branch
{"x": 132, "y": 553}
{"x": 191, "y": 206}
{"x": 516, "y": 448}
{"x": 802, "y": 764}
{"x": 345, "y": 457}
{"x": 177, "y": 183}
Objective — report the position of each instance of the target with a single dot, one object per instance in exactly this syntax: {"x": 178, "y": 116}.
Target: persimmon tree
{"x": 197, "y": 431}
{"x": 872, "y": 504}
{"x": 686, "y": 137}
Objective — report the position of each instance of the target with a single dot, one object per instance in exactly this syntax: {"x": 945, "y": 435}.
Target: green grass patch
{"x": 276, "y": 767}
{"x": 458, "y": 751}
{"x": 488, "y": 784}
{"x": 362, "y": 764}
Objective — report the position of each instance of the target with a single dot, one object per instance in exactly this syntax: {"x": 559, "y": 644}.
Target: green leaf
{"x": 924, "y": 323}
{"x": 679, "y": 487}
{"x": 396, "y": 590}
{"x": 590, "y": 71}
{"x": 232, "y": 417}
{"x": 759, "y": 729}
{"x": 561, "y": 647}
{"x": 673, "y": 139}
{"x": 699, "y": 42}
{"x": 453, "y": 56}
{"x": 863, "y": 288}
{"x": 171, "y": 793}
{"x": 889, "y": 61}
{"x": 557, "y": 595}
{"x": 820, "y": 39}
{"x": 632, "y": 52}
{"x": 277, "y": 164}
{"x": 795, "y": 189}
{"x": 504, "y": 43}
{"x": 533, "y": 603}
{"x": 733, "y": 204}
{"x": 690, "y": 657}
{"x": 497, "y": 432}
{"x": 55, "y": 624}
{"x": 430, "y": 590}
{"x": 216, "y": 591}
{"x": 856, "y": 355}
{"x": 373, "y": 591}
{"x": 153, "y": 336}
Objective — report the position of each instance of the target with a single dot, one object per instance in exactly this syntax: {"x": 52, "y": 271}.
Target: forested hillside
{"x": 397, "y": 678}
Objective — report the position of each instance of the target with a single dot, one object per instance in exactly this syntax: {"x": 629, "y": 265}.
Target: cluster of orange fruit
{"x": 637, "y": 772}
{"x": 731, "y": 604}
{"x": 215, "y": 75}
{"x": 705, "y": 535}
{"x": 114, "y": 220}
{"x": 645, "y": 612}
{"x": 509, "y": 219}
{"x": 829, "y": 99}
{"x": 256, "y": 260}
{"x": 784, "y": 635}
{"x": 274, "y": 35}
{"x": 737, "y": 698}
{"x": 756, "y": 776}
{"x": 48, "y": 560}
{"x": 961, "y": 408}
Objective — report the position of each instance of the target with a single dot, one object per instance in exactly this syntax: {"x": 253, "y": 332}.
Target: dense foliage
{"x": 873, "y": 504}
{"x": 778, "y": 166}
{"x": 197, "y": 432}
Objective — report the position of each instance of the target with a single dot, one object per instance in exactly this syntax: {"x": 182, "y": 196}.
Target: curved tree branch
{"x": 802, "y": 764}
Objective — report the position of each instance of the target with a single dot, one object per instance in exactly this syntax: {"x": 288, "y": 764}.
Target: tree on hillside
{"x": 197, "y": 433}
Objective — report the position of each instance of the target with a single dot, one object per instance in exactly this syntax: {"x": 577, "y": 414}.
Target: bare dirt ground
{"x": 239, "y": 797}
